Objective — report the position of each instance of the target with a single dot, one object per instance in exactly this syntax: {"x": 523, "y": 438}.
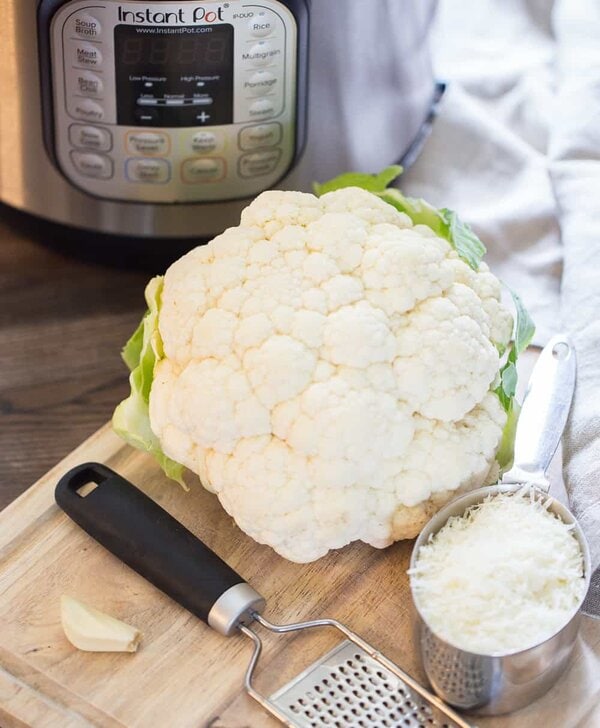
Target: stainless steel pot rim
{"x": 445, "y": 513}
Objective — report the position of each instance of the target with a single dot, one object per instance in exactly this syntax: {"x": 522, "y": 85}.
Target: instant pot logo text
{"x": 197, "y": 14}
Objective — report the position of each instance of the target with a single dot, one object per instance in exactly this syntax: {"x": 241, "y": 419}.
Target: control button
{"x": 204, "y": 142}
{"x": 87, "y": 55}
{"x": 260, "y": 54}
{"x": 260, "y": 83}
{"x": 87, "y": 109}
{"x": 92, "y": 165}
{"x": 84, "y": 25}
{"x": 203, "y": 170}
{"x": 154, "y": 171}
{"x": 89, "y": 84}
{"x": 259, "y": 163}
{"x": 146, "y": 116}
{"x": 175, "y": 102}
{"x": 261, "y": 108}
{"x": 263, "y": 135}
{"x": 90, "y": 137}
{"x": 147, "y": 101}
{"x": 262, "y": 24}
{"x": 148, "y": 143}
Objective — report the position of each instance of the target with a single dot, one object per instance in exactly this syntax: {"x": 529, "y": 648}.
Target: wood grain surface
{"x": 62, "y": 323}
{"x": 186, "y": 675}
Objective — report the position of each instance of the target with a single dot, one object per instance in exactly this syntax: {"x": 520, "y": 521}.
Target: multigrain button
{"x": 260, "y": 54}
{"x": 204, "y": 142}
{"x": 89, "y": 84}
{"x": 148, "y": 143}
{"x": 262, "y": 135}
{"x": 263, "y": 108}
{"x": 84, "y": 25}
{"x": 259, "y": 163}
{"x": 203, "y": 170}
{"x": 86, "y": 55}
{"x": 262, "y": 24}
{"x": 150, "y": 171}
{"x": 92, "y": 165}
{"x": 260, "y": 83}
{"x": 90, "y": 137}
{"x": 87, "y": 109}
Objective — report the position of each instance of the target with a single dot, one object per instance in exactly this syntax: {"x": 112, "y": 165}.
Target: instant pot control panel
{"x": 176, "y": 101}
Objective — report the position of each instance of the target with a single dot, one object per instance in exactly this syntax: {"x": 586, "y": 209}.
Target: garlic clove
{"x": 93, "y": 631}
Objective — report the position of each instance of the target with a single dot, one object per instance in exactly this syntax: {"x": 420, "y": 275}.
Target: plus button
{"x": 203, "y": 117}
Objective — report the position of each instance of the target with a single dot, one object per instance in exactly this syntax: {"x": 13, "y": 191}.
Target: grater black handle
{"x": 143, "y": 535}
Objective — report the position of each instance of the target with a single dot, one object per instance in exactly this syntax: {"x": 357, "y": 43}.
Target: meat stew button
{"x": 86, "y": 55}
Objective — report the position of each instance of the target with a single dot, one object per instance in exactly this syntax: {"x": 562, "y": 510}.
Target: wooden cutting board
{"x": 184, "y": 674}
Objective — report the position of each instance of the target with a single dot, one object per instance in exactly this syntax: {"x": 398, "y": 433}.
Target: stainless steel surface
{"x": 366, "y": 136}
{"x": 352, "y": 686}
{"x": 544, "y": 413}
{"x": 235, "y": 607}
{"x": 492, "y": 684}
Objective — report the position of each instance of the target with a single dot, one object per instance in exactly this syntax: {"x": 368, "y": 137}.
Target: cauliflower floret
{"x": 327, "y": 371}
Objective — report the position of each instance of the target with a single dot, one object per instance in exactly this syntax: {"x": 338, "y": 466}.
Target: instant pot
{"x": 143, "y": 126}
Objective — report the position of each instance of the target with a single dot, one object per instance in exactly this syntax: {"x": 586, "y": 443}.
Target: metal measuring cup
{"x": 491, "y": 684}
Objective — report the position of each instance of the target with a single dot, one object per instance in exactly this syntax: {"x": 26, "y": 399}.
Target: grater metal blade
{"x": 351, "y": 686}
{"x": 347, "y": 688}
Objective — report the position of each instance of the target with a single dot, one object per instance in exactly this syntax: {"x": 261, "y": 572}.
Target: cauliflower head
{"x": 327, "y": 369}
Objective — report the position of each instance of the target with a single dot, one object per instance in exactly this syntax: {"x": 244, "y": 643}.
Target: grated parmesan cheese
{"x": 502, "y": 577}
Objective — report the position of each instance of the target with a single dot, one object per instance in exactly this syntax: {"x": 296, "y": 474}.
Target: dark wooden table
{"x": 62, "y": 324}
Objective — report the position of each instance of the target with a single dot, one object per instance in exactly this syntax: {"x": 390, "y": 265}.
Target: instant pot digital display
{"x": 170, "y": 76}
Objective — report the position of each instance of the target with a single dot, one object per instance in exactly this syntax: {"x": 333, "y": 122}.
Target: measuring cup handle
{"x": 544, "y": 413}
{"x": 143, "y": 535}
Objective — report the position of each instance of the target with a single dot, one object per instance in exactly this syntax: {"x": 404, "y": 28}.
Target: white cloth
{"x": 487, "y": 155}
{"x": 516, "y": 151}
{"x": 574, "y": 153}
